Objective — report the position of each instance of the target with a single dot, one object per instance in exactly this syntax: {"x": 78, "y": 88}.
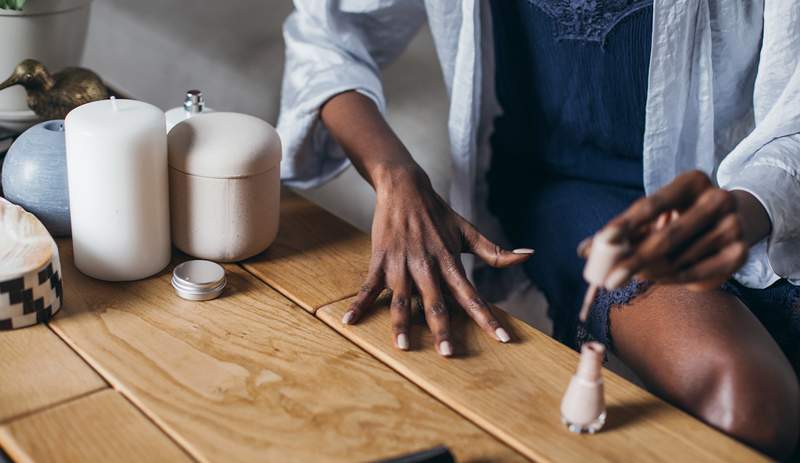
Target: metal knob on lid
{"x": 199, "y": 280}
{"x": 194, "y": 102}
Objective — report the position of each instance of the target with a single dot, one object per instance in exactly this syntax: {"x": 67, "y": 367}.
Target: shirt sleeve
{"x": 332, "y": 47}
{"x": 772, "y": 177}
{"x": 767, "y": 162}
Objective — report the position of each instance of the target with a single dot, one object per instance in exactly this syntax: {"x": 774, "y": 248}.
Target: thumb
{"x": 490, "y": 252}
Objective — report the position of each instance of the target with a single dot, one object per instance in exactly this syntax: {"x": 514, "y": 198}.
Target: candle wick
{"x": 113, "y": 102}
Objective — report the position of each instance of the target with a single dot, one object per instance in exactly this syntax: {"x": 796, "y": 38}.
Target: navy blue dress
{"x": 571, "y": 78}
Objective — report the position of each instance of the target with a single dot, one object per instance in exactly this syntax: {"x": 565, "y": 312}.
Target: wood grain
{"x": 100, "y": 427}
{"x": 252, "y": 377}
{"x": 39, "y": 370}
{"x": 316, "y": 259}
{"x": 514, "y": 391}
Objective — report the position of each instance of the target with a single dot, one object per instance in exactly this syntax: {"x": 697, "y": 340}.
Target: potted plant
{"x": 51, "y": 31}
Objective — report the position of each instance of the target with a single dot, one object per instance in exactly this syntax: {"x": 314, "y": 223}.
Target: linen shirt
{"x": 723, "y": 97}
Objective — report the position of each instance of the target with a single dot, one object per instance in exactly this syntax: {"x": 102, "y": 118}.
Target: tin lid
{"x": 199, "y": 279}
{"x": 224, "y": 145}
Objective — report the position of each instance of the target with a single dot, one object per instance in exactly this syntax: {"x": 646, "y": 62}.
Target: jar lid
{"x": 224, "y": 145}
{"x": 199, "y": 280}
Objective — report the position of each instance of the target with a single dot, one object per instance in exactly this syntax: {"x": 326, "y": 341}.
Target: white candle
{"x": 118, "y": 189}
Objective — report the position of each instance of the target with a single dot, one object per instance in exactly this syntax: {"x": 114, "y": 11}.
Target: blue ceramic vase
{"x": 35, "y": 175}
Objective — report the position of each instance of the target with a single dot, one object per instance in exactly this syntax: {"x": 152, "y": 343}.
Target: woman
{"x": 695, "y": 103}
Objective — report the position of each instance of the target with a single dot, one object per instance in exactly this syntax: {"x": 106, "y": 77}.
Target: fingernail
{"x": 582, "y": 245}
{"x": 402, "y": 341}
{"x": 502, "y": 335}
{"x": 348, "y": 317}
{"x": 523, "y": 251}
{"x": 617, "y": 278}
{"x": 445, "y": 348}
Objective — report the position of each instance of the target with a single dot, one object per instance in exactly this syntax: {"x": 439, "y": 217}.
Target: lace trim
{"x": 588, "y": 20}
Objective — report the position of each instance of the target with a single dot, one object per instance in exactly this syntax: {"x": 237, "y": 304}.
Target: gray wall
{"x": 154, "y": 50}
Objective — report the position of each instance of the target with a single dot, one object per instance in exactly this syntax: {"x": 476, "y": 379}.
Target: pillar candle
{"x": 118, "y": 189}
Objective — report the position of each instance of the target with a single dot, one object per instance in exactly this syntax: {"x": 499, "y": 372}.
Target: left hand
{"x": 689, "y": 232}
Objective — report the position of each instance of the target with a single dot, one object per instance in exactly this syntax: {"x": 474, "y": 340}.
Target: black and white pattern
{"x": 32, "y": 298}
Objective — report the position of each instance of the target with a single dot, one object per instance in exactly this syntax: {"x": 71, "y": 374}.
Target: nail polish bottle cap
{"x": 608, "y": 248}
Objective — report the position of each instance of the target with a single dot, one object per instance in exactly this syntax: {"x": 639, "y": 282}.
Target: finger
{"x": 661, "y": 244}
{"x": 679, "y": 195}
{"x": 715, "y": 270}
{"x": 490, "y": 252}
{"x": 467, "y": 297}
{"x": 400, "y": 309}
{"x": 725, "y": 232}
{"x": 433, "y": 305}
{"x": 365, "y": 298}
{"x": 585, "y": 247}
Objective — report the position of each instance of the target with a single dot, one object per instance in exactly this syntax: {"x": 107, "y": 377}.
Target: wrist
{"x": 753, "y": 217}
{"x": 389, "y": 176}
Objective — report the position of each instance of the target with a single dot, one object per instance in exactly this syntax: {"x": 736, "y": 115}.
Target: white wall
{"x": 154, "y": 50}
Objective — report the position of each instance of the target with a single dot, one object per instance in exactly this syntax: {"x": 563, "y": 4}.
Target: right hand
{"x": 417, "y": 240}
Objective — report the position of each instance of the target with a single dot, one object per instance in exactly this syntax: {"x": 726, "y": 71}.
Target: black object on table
{"x": 440, "y": 454}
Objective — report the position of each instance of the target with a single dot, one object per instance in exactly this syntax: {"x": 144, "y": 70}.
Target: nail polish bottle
{"x": 583, "y": 407}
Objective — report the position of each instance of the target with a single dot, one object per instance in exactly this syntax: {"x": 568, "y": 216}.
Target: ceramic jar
{"x": 35, "y": 175}
{"x": 224, "y": 172}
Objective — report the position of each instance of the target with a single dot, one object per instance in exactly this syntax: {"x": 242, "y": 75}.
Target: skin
{"x": 697, "y": 347}
{"x": 416, "y": 237}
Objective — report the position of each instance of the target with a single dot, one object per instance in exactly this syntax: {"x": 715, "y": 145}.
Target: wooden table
{"x": 131, "y": 372}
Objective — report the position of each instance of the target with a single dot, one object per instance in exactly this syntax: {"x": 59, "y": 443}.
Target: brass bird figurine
{"x": 52, "y": 96}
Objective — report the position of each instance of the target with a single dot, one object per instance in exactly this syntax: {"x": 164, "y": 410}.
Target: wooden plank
{"x": 316, "y": 259}
{"x": 252, "y": 377}
{"x": 40, "y": 370}
{"x": 100, "y": 427}
{"x": 514, "y": 391}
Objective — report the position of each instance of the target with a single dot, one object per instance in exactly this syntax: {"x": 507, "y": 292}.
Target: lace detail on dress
{"x": 588, "y": 20}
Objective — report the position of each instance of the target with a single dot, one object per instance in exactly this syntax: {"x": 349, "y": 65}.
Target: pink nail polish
{"x": 402, "y": 341}
{"x": 523, "y": 251}
{"x": 445, "y": 348}
{"x": 502, "y": 335}
{"x": 348, "y": 317}
{"x": 583, "y": 408}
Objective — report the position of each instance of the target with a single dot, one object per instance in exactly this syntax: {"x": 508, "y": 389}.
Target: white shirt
{"x": 723, "y": 97}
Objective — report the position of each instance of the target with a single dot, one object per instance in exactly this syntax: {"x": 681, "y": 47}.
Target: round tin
{"x": 199, "y": 280}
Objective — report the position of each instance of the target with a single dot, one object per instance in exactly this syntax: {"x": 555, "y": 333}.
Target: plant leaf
{"x": 12, "y": 4}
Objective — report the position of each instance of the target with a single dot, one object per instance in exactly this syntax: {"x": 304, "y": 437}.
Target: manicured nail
{"x": 502, "y": 335}
{"x": 348, "y": 317}
{"x": 445, "y": 348}
{"x": 582, "y": 245}
{"x": 617, "y": 278}
{"x": 402, "y": 341}
{"x": 523, "y": 251}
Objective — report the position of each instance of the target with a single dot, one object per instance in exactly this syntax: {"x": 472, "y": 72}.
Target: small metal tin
{"x": 199, "y": 280}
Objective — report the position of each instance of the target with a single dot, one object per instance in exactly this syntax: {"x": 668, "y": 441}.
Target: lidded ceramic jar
{"x": 224, "y": 174}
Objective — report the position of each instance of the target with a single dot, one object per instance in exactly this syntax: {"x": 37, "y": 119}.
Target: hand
{"x": 689, "y": 232}
{"x": 417, "y": 240}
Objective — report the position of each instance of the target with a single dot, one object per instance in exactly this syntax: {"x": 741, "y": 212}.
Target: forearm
{"x": 361, "y": 130}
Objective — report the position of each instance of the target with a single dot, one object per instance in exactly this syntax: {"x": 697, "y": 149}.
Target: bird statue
{"x": 52, "y": 96}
